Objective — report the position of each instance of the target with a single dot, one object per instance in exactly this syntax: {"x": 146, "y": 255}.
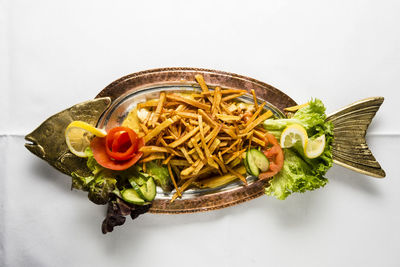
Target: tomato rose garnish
{"x": 118, "y": 150}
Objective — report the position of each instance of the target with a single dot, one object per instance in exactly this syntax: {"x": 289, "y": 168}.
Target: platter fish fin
{"x": 349, "y": 148}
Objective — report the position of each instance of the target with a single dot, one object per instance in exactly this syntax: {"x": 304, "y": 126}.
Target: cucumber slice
{"x": 149, "y": 189}
{"x": 260, "y": 160}
{"x": 250, "y": 162}
{"x": 140, "y": 180}
{"x": 130, "y": 196}
{"x": 137, "y": 188}
{"x": 246, "y": 165}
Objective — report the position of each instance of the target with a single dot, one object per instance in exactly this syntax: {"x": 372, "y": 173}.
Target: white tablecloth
{"x": 54, "y": 54}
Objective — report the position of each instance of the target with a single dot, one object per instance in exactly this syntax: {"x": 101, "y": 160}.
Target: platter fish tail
{"x": 349, "y": 148}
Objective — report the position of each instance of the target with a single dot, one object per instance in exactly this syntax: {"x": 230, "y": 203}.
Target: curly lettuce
{"x": 99, "y": 185}
{"x": 299, "y": 173}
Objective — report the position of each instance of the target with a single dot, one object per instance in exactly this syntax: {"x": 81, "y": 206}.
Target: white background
{"x": 54, "y": 54}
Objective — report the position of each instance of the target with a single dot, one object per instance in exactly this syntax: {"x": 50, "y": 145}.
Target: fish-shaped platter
{"x": 184, "y": 98}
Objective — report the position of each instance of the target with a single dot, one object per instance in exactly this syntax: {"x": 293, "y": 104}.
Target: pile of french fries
{"x": 201, "y": 136}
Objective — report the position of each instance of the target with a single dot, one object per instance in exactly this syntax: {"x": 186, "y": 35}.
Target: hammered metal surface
{"x": 170, "y": 76}
{"x": 349, "y": 148}
{"x": 48, "y": 141}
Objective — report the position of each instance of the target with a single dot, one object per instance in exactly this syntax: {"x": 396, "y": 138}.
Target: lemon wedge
{"x": 132, "y": 120}
{"x": 78, "y": 135}
{"x": 292, "y": 134}
{"x": 315, "y": 147}
{"x": 296, "y": 133}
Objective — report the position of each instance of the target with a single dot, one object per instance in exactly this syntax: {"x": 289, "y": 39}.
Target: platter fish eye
{"x": 130, "y": 90}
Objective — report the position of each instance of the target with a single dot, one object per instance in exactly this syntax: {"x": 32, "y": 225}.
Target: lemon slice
{"x": 292, "y": 134}
{"x": 78, "y": 135}
{"x": 315, "y": 147}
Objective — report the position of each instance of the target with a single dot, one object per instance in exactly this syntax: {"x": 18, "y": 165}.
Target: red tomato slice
{"x": 98, "y": 146}
{"x": 112, "y": 142}
{"x": 274, "y": 155}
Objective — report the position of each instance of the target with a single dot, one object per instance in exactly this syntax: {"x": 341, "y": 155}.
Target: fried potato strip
{"x": 201, "y": 137}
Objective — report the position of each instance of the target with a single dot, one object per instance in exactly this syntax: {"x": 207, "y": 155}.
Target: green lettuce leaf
{"x": 299, "y": 173}
{"x": 296, "y": 176}
{"x": 99, "y": 185}
{"x": 160, "y": 175}
{"x": 100, "y": 189}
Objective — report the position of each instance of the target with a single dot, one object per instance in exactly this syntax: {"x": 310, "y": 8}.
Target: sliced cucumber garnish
{"x": 246, "y": 165}
{"x": 140, "y": 180}
{"x": 251, "y": 164}
{"x": 149, "y": 189}
{"x": 131, "y": 196}
{"x": 255, "y": 162}
{"x": 137, "y": 188}
{"x": 260, "y": 160}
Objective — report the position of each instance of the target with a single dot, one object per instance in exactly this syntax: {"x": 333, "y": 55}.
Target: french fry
{"x": 185, "y": 153}
{"x": 197, "y": 136}
{"x": 257, "y": 121}
{"x": 197, "y": 149}
{"x": 179, "y": 162}
{"x": 295, "y": 108}
{"x": 217, "y": 101}
{"x": 226, "y": 109}
{"x": 218, "y": 181}
{"x": 230, "y": 132}
{"x": 152, "y": 157}
{"x": 254, "y": 116}
{"x": 159, "y": 108}
{"x": 210, "y": 161}
{"x": 207, "y": 118}
{"x": 166, "y": 161}
{"x": 198, "y": 168}
{"x": 237, "y": 174}
{"x": 259, "y": 132}
{"x": 223, "y": 144}
{"x": 254, "y": 98}
{"x": 144, "y": 128}
{"x": 183, "y": 188}
{"x": 214, "y": 145}
{"x": 234, "y": 155}
{"x": 230, "y": 97}
{"x": 148, "y": 115}
{"x": 211, "y": 136}
{"x": 225, "y": 91}
{"x": 185, "y": 137}
{"x": 171, "y": 104}
{"x": 187, "y": 171}
{"x": 153, "y": 149}
{"x": 148, "y": 103}
{"x": 188, "y": 101}
{"x": 228, "y": 118}
{"x": 235, "y": 162}
{"x": 230, "y": 147}
{"x": 200, "y": 79}
{"x": 258, "y": 141}
{"x": 201, "y": 135}
{"x": 157, "y": 149}
{"x": 173, "y": 180}
{"x": 220, "y": 163}
{"x": 188, "y": 115}
{"x": 153, "y": 133}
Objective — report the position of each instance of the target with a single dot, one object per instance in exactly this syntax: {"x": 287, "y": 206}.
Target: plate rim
{"x": 155, "y": 76}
